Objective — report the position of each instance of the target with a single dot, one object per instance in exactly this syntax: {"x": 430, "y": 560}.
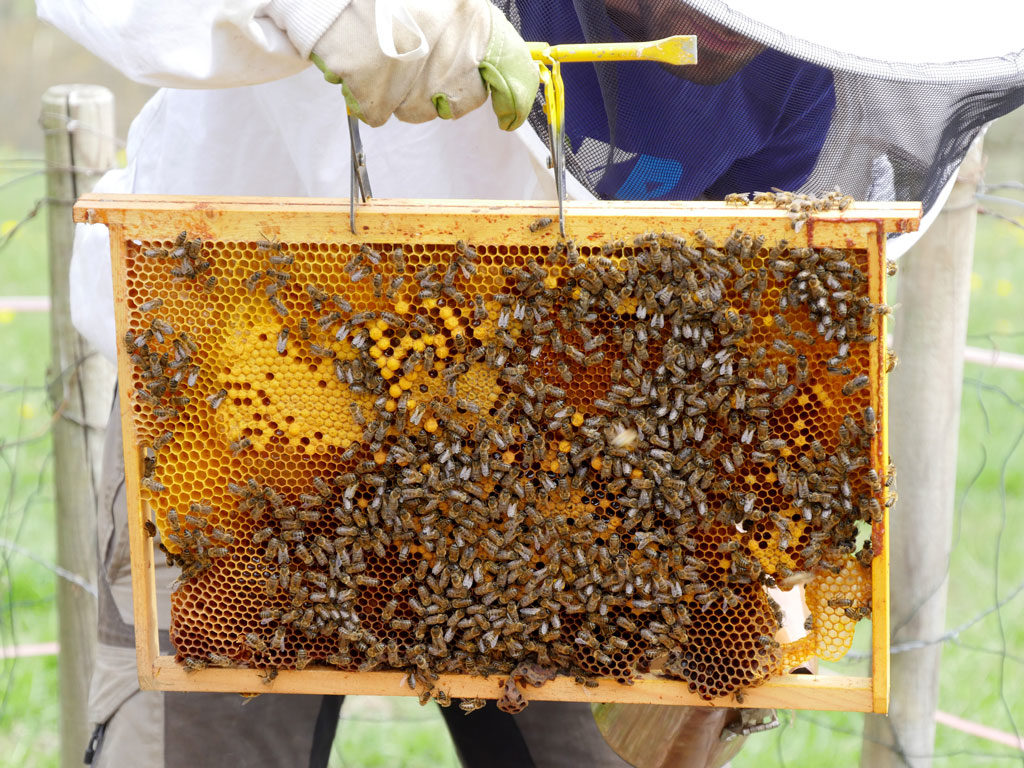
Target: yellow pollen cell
{"x": 596, "y": 463}
{"x": 451, "y": 323}
{"x": 386, "y": 372}
{"x": 394, "y": 390}
{"x": 393, "y": 363}
{"x": 429, "y": 303}
{"x": 577, "y": 419}
{"x": 404, "y": 383}
{"x": 446, "y": 312}
{"x": 418, "y": 345}
{"x": 441, "y": 352}
{"x": 376, "y": 333}
{"x": 376, "y": 352}
{"x": 563, "y": 447}
{"x": 636, "y": 474}
{"x": 380, "y": 457}
{"x": 390, "y": 406}
{"x": 430, "y": 425}
{"x": 401, "y": 307}
{"x": 382, "y": 324}
{"x": 551, "y": 282}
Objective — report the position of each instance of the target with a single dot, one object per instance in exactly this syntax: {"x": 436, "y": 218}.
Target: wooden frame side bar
{"x": 879, "y": 530}
{"x": 147, "y": 638}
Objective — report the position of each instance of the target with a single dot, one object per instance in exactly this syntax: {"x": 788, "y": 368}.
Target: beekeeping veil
{"x": 911, "y": 86}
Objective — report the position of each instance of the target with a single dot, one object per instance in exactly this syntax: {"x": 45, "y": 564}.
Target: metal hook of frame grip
{"x": 359, "y": 177}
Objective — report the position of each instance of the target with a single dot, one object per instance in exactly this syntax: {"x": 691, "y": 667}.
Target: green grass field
{"x": 980, "y": 668}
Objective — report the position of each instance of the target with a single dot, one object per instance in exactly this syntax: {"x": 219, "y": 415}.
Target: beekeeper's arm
{"x": 416, "y": 59}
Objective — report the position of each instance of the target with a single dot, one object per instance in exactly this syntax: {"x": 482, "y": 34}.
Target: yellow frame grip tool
{"x": 679, "y": 49}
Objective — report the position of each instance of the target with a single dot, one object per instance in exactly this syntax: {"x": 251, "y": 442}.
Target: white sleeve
{"x": 196, "y": 43}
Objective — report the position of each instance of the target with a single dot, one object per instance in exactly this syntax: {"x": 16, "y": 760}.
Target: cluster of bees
{"x": 799, "y": 206}
{"x": 623, "y": 502}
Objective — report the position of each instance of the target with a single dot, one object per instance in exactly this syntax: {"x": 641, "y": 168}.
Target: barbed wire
{"x": 906, "y": 756}
{"x": 995, "y": 586}
{"x": 72, "y": 125}
{"x": 10, "y": 627}
{"x": 63, "y": 573}
{"x": 912, "y": 645}
{"x": 1001, "y": 216}
{"x": 33, "y": 212}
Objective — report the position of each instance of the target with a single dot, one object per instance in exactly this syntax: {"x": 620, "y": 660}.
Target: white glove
{"x": 420, "y": 59}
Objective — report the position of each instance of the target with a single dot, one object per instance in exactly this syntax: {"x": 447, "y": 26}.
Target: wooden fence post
{"x": 78, "y": 124}
{"x": 924, "y": 406}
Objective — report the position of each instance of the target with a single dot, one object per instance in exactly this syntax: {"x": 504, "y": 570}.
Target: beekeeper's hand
{"x": 420, "y": 59}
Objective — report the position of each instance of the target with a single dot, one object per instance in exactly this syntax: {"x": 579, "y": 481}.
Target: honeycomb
{"x": 495, "y": 458}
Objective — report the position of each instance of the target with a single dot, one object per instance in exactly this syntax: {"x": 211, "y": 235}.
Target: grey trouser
{"x": 146, "y": 729}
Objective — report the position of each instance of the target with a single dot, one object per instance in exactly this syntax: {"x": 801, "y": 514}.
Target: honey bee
{"x": 238, "y": 446}
{"x": 855, "y": 384}
{"x": 255, "y": 643}
{"x": 891, "y": 361}
{"x": 278, "y": 306}
{"x": 219, "y": 660}
{"x": 471, "y": 705}
{"x": 541, "y": 223}
{"x": 217, "y": 398}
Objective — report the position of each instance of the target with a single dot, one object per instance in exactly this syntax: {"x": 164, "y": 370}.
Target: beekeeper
{"x": 241, "y": 111}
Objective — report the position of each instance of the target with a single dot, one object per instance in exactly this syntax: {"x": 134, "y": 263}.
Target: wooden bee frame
{"x": 130, "y": 218}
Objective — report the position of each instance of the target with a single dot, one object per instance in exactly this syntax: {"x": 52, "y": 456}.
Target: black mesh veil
{"x": 878, "y": 130}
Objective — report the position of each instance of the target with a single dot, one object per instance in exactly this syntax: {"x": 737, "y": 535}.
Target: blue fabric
{"x": 676, "y": 140}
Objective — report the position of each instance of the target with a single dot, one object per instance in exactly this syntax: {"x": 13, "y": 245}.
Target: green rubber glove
{"x": 421, "y": 59}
